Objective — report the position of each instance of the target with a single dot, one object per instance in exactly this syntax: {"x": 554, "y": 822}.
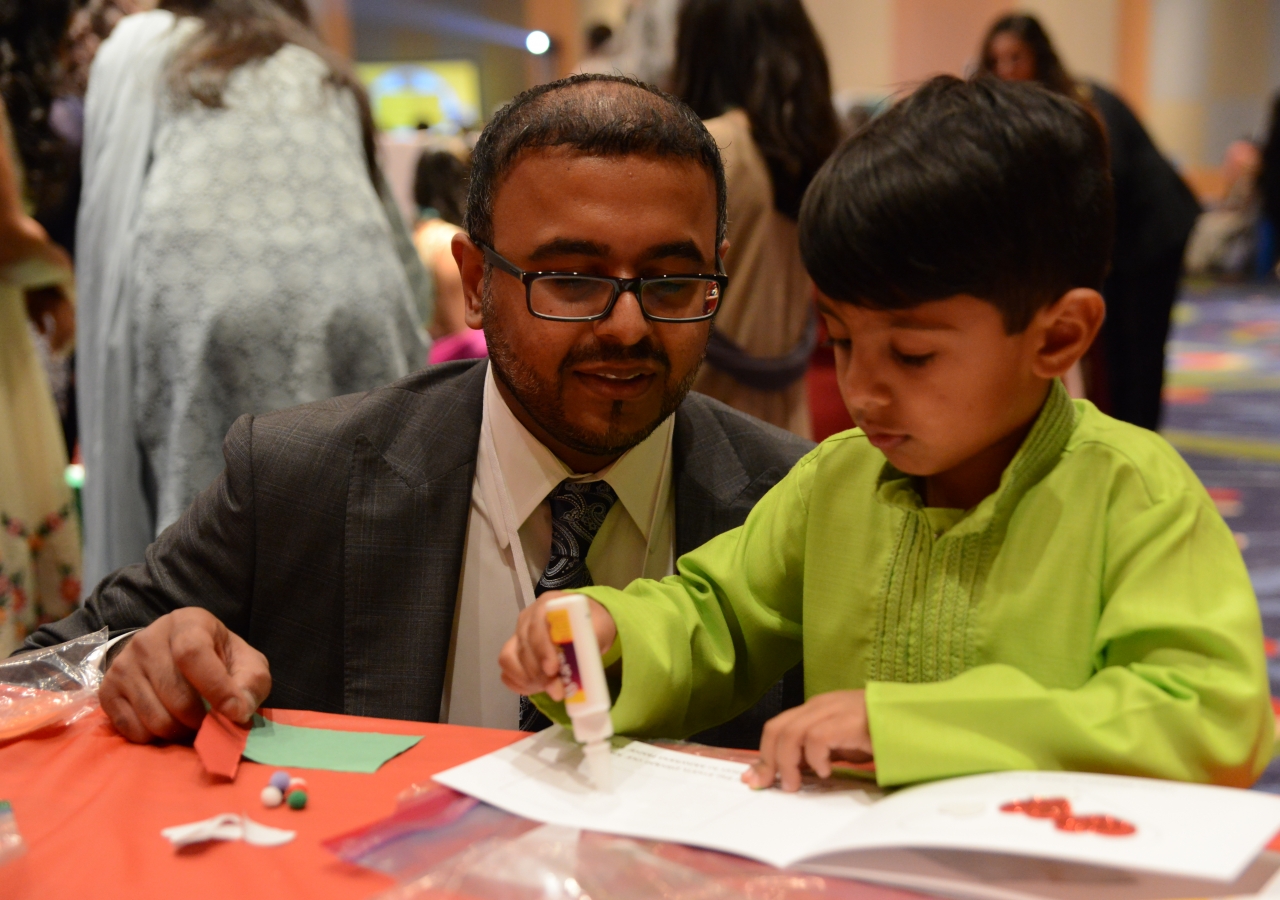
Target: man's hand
{"x": 829, "y": 727}
{"x": 530, "y": 664}
{"x": 153, "y": 688}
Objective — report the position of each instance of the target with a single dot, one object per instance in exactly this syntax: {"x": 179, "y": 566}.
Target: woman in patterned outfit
{"x": 39, "y": 535}
{"x": 235, "y": 253}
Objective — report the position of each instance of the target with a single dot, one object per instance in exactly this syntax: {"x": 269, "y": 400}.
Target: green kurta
{"x": 1092, "y": 614}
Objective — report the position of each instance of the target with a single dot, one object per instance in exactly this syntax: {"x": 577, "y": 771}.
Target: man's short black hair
{"x": 596, "y": 115}
{"x": 993, "y": 189}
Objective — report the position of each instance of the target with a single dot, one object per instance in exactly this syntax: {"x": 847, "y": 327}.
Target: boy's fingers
{"x": 529, "y": 662}
{"x": 789, "y": 753}
{"x": 760, "y": 775}
{"x": 543, "y": 646}
{"x": 817, "y": 748}
{"x": 792, "y": 735}
{"x": 509, "y": 662}
{"x": 521, "y": 672}
{"x": 763, "y": 773}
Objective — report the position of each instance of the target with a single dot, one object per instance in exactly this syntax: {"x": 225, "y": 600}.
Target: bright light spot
{"x": 75, "y": 476}
{"x": 537, "y": 42}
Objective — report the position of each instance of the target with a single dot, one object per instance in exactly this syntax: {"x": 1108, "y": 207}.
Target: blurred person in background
{"x": 440, "y": 190}
{"x": 595, "y": 57}
{"x": 39, "y": 535}
{"x": 235, "y": 252}
{"x": 91, "y": 23}
{"x": 1269, "y": 187}
{"x": 1225, "y": 239}
{"x": 756, "y": 73}
{"x": 644, "y": 48}
{"x": 1155, "y": 212}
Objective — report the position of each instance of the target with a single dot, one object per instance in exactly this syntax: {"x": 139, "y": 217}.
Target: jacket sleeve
{"x": 703, "y": 645}
{"x": 206, "y": 558}
{"x": 1179, "y": 688}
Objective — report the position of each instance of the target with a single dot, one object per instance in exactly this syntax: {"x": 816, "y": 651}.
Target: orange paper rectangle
{"x": 220, "y": 744}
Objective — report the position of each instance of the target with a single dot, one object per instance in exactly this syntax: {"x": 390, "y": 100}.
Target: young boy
{"x": 985, "y": 575}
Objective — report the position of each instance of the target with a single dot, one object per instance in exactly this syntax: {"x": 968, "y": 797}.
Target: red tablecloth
{"x": 91, "y": 805}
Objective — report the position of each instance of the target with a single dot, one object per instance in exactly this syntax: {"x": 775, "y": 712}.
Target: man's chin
{"x": 613, "y": 439}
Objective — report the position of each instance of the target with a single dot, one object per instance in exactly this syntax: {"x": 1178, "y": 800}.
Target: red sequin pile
{"x": 1059, "y": 809}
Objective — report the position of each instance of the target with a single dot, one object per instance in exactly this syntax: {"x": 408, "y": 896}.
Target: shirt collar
{"x": 1037, "y": 456}
{"x": 531, "y": 471}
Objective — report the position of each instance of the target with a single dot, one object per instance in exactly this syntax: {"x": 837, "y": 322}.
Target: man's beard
{"x": 544, "y": 401}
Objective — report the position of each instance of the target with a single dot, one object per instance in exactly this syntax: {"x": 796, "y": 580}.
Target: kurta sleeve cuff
{"x": 912, "y": 743}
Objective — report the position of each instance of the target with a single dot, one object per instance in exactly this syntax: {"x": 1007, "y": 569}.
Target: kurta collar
{"x": 531, "y": 471}
{"x": 1036, "y": 457}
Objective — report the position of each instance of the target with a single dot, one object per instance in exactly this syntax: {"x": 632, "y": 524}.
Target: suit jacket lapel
{"x": 710, "y": 480}
{"x": 408, "y": 500}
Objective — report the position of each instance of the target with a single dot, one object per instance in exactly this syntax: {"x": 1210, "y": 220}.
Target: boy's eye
{"x": 912, "y": 359}
{"x": 831, "y": 342}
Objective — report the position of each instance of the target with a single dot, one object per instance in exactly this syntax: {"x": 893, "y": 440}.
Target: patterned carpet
{"x": 1222, "y": 411}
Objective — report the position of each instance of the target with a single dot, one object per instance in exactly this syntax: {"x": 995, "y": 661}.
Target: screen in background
{"x": 414, "y": 95}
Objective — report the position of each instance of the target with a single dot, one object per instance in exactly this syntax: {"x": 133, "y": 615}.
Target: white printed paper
{"x": 1187, "y": 830}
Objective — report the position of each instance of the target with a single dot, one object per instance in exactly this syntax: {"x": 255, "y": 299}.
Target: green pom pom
{"x": 297, "y": 799}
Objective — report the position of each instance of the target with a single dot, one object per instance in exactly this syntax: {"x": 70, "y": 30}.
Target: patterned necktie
{"x": 578, "y": 509}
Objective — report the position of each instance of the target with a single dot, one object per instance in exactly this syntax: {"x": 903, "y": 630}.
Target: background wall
{"x": 1200, "y": 72}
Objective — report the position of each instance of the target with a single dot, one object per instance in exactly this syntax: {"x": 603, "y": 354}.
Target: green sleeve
{"x": 1179, "y": 688}
{"x": 703, "y": 645}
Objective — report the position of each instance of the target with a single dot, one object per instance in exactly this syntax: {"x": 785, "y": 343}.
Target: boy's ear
{"x": 1064, "y": 331}
{"x": 470, "y": 260}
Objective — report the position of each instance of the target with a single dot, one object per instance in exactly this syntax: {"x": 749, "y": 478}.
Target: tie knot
{"x": 578, "y": 509}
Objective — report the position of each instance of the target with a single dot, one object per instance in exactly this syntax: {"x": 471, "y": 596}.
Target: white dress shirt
{"x": 509, "y": 543}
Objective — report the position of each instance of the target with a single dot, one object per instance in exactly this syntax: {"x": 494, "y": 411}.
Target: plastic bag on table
{"x": 50, "y": 686}
{"x": 431, "y": 825}
{"x": 441, "y": 842}
{"x": 551, "y": 862}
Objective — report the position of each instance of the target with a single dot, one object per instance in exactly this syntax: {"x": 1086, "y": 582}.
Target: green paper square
{"x": 290, "y": 746}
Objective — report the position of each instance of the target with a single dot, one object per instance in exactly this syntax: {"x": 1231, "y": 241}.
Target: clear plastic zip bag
{"x": 51, "y": 686}
{"x": 440, "y": 843}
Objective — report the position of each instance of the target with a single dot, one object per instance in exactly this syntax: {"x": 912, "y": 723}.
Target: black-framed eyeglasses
{"x": 570, "y": 297}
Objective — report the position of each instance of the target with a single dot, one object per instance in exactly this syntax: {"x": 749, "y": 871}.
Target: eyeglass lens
{"x": 581, "y": 297}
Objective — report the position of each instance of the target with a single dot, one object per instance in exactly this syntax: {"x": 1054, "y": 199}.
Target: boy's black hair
{"x": 596, "y": 115}
{"x": 994, "y": 189}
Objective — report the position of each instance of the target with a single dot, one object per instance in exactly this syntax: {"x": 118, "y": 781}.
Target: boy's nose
{"x": 861, "y": 387}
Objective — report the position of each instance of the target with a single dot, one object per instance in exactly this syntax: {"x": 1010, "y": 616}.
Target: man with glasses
{"x": 378, "y": 548}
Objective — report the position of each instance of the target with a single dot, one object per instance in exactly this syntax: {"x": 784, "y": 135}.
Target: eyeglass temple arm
{"x": 500, "y": 261}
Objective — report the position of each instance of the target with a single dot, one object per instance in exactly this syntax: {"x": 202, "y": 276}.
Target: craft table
{"x": 90, "y": 806}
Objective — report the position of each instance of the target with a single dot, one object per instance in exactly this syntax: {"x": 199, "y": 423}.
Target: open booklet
{"x": 939, "y": 836}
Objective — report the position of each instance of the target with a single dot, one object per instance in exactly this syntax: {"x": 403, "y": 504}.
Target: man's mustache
{"x": 643, "y": 351}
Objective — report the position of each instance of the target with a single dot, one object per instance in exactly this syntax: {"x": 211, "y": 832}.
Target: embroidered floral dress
{"x": 39, "y": 531}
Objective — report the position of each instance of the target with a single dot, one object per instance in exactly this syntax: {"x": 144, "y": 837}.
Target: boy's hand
{"x": 830, "y": 726}
{"x": 530, "y": 664}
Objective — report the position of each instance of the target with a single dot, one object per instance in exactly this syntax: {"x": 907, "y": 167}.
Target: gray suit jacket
{"x": 333, "y": 540}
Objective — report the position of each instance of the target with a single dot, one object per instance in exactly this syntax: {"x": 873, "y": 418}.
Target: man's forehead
{"x": 563, "y": 201}
{"x": 565, "y": 157}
